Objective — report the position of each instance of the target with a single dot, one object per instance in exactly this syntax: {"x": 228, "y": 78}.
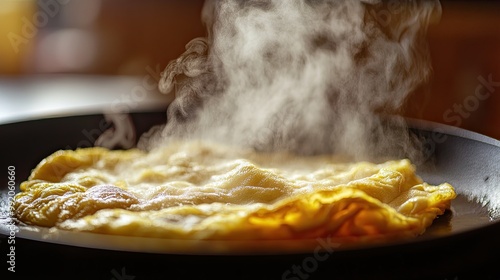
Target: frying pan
{"x": 460, "y": 244}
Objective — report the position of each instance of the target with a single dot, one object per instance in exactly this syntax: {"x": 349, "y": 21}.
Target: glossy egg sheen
{"x": 199, "y": 190}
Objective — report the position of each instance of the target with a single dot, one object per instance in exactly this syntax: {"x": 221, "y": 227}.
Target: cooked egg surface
{"x": 197, "y": 190}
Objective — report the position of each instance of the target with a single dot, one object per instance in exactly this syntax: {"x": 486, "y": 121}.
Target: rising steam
{"x": 309, "y": 76}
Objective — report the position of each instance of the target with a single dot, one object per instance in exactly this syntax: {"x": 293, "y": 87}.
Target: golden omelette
{"x": 197, "y": 190}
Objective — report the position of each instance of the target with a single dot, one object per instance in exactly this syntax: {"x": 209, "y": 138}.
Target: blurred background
{"x": 68, "y": 56}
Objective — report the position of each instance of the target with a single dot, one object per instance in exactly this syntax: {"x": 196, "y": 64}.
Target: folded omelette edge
{"x": 204, "y": 191}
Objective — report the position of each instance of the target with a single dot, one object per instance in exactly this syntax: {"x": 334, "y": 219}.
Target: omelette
{"x": 204, "y": 191}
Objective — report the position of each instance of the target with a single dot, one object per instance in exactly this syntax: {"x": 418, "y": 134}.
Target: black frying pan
{"x": 461, "y": 244}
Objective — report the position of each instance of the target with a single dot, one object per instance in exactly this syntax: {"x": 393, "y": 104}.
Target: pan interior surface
{"x": 470, "y": 162}
{"x": 466, "y": 160}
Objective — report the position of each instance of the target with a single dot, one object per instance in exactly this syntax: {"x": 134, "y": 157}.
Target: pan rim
{"x": 431, "y": 126}
{"x": 413, "y": 123}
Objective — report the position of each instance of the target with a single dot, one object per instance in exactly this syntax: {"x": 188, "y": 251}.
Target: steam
{"x": 310, "y": 76}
